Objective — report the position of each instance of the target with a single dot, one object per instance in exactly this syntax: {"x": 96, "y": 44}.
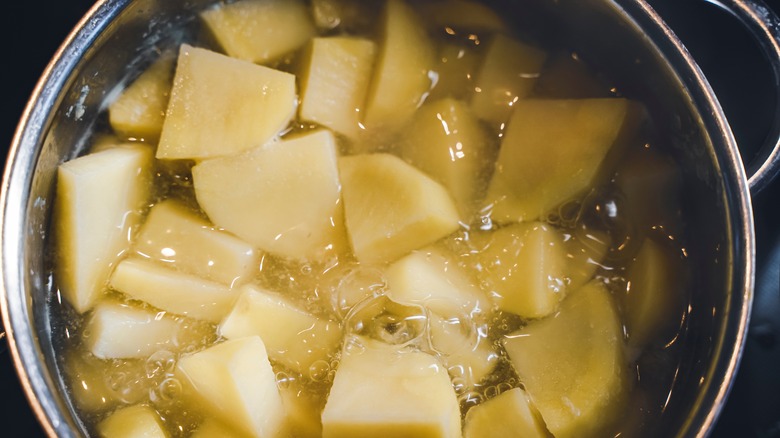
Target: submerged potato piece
{"x": 448, "y": 143}
{"x": 221, "y": 106}
{"x": 99, "y": 199}
{"x": 468, "y": 355}
{"x": 177, "y": 237}
{"x": 260, "y": 30}
{"x": 211, "y": 428}
{"x": 120, "y": 331}
{"x": 234, "y": 382}
{"x": 456, "y": 68}
{"x": 139, "y": 111}
{"x": 586, "y": 250}
{"x": 572, "y": 363}
{"x": 401, "y": 75}
{"x": 565, "y": 76}
{"x": 302, "y": 409}
{"x": 283, "y": 197}
{"x": 540, "y": 166}
{"x": 380, "y": 390}
{"x": 507, "y": 415}
{"x": 508, "y": 73}
{"x": 391, "y": 208}
{"x": 461, "y": 16}
{"x": 293, "y": 337}
{"x": 334, "y": 82}
{"x": 136, "y": 421}
{"x": 175, "y": 292}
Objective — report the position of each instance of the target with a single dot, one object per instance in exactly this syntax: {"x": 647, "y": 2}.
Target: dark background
{"x": 33, "y": 30}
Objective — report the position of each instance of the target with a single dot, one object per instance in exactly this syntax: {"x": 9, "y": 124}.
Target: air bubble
{"x": 357, "y": 286}
{"x": 166, "y": 392}
{"x": 160, "y": 363}
{"x": 385, "y": 320}
{"x": 318, "y": 371}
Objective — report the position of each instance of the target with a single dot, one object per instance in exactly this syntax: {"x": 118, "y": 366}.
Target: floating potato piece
{"x": 586, "y": 250}
{"x": 525, "y": 265}
{"x": 572, "y": 363}
{"x": 468, "y": 355}
{"x": 234, "y": 382}
{"x": 508, "y": 73}
{"x": 380, "y": 390}
{"x": 401, "y": 75}
{"x": 456, "y": 69}
{"x": 176, "y": 236}
{"x": 99, "y": 199}
{"x": 260, "y": 30}
{"x": 139, "y": 111}
{"x": 302, "y": 410}
{"x": 391, "y": 208}
{"x": 221, "y": 106}
{"x": 293, "y": 337}
{"x": 172, "y": 291}
{"x": 565, "y": 76}
{"x": 336, "y": 75}
{"x": 508, "y": 415}
{"x": 136, "y": 421}
{"x": 461, "y": 16}
{"x": 540, "y": 166}
{"x": 120, "y": 331}
{"x": 283, "y": 197}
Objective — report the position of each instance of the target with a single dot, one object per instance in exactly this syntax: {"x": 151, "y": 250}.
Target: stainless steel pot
{"x": 625, "y": 37}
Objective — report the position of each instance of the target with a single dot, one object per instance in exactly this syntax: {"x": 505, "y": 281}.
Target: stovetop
{"x": 33, "y": 30}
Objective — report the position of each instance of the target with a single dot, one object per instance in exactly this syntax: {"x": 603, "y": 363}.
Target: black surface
{"x": 33, "y": 30}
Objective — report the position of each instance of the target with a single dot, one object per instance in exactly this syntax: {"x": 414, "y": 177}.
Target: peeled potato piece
{"x": 456, "y": 69}
{"x": 120, "y": 331}
{"x": 572, "y": 363}
{"x": 461, "y": 16}
{"x": 136, "y": 421}
{"x": 302, "y": 409}
{"x": 565, "y": 76}
{"x": 468, "y": 355}
{"x": 260, "y": 31}
{"x": 221, "y": 106}
{"x": 509, "y": 414}
{"x": 283, "y": 197}
{"x": 586, "y": 250}
{"x": 99, "y": 199}
{"x": 391, "y": 208}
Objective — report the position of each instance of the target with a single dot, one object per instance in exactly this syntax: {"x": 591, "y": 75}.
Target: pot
{"x": 624, "y": 37}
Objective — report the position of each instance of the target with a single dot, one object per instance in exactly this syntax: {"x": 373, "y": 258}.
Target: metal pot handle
{"x": 764, "y": 25}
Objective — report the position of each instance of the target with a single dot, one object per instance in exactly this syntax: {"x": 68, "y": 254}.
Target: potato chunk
{"x": 457, "y": 66}
{"x": 508, "y": 415}
{"x": 334, "y": 82}
{"x": 572, "y": 363}
{"x": 221, "y": 106}
{"x": 391, "y": 208}
{"x": 119, "y": 331}
{"x": 260, "y": 31}
{"x": 175, "y": 236}
{"x": 526, "y": 185}
{"x": 468, "y": 355}
{"x": 283, "y": 197}
{"x": 99, "y": 199}
{"x": 136, "y": 421}
{"x": 234, "y": 382}
{"x": 461, "y": 16}
{"x": 382, "y": 391}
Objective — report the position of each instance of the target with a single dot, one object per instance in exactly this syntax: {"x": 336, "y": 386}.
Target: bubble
{"x": 491, "y": 391}
{"x": 318, "y": 370}
{"x": 166, "y": 392}
{"x": 385, "y": 320}
{"x": 470, "y": 399}
{"x": 160, "y": 363}
{"x": 358, "y": 285}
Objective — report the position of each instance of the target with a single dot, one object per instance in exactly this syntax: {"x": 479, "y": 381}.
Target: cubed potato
{"x": 302, "y": 409}
{"x": 508, "y": 73}
{"x": 334, "y": 82}
{"x": 120, "y": 331}
{"x": 402, "y": 73}
{"x": 468, "y": 355}
{"x": 176, "y": 236}
{"x": 456, "y": 70}
{"x": 461, "y": 16}
{"x": 260, "y": 31}
{"x": 448, "y": 143}
{"x": 525, "y": 266}
{"x": 566, "y": 76}
{"x": 293, "y": 337}
{"x": 572, "y": 363}
{"x": 540, "y": 166}
{"x": 586, "y": 251}
{"x": 392, "y": 208}
{"x": 221, "y": 106}
{"x": 509, "y": 414}
{"x": 136, "y": 421}
{"x": 347, "y": 16}
{"x": 382, "y": 391}
{"x": 284, "y": 197}
{"x": 173, "y": 291}
{"x": 234, "y": 382}
{"x": 139, "y": 111}
{"x": 99, "y": 199}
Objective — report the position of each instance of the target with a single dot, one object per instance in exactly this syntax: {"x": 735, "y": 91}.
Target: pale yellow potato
{"x": 302, "y": 409}
{"x": 586, "y": 250}
{"x": 456, "y": 69}
{"x": 382, "y": 391}
{"x": 402, "y": 72}
{"x": 260, "y": 31}
{"x": 293, "y": 337}
{"x": 508, "y": 415}
{"x": 177, "y": 237}
{"x": 572, "y": 363}
{"x": 173, "y": 291}
{"x": 100, "y": 198}
{"x": 234, "y": 382}
{"x": 334, "y": 82}
{"x": 391, "y": 208}
{"x": 284, "y": 197}
{"x": 121, "y": 331}
{"x": 508, "y": 73}
{"x": 139, "y": 111}
{"x": 222, "y": 106}
{"x": 566, "y": 76}
{"x": 136, "y": 421}
{"x": 525, "y": 185}
{"x": 461, "y": 16}
{"x": 468, "y": 355}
